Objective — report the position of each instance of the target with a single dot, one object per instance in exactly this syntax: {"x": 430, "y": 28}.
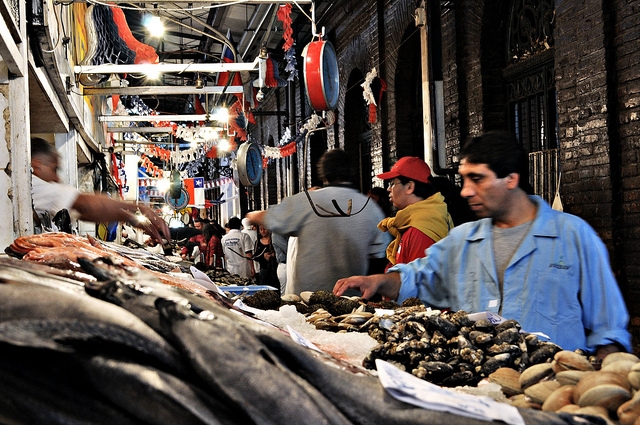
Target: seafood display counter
{"x": 95, "y": 336}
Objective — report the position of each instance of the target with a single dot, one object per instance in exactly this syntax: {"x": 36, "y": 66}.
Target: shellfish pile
{"x": 449, "y": 349}
{"x": 445, "y": 348}
{"x": 570, "y": 383}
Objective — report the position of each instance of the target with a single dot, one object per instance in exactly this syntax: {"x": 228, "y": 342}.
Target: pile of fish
{"x": 59, "y": 249}
{"x": 125, "y": 348}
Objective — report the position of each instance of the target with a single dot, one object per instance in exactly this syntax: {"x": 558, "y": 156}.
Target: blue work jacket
{"x": 559, "y": 281}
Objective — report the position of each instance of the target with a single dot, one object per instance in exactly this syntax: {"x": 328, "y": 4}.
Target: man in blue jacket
{"x": 546, "y": 269}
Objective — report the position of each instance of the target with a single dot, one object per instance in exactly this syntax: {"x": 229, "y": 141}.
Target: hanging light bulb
{"x": 199, "y": 82}
{"x": 220, "y": 114}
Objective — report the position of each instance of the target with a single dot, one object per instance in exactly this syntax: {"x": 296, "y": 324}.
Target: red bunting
{"x": 288, "y": 150}
{"x": 212, "y": 153}
{"x": 284, "y": 16}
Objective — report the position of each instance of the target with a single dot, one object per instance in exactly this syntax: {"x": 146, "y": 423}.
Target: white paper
{"x": 298, "y": 338}
{"x": 418, "y": 392}
{"x": 202, "y": 279}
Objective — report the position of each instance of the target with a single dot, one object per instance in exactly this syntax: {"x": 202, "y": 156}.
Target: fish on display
{"x": 37, "y": 316}
{"x": 154, "y": 396}
{"x": 43, "y": 387}
{"x": 236, "y": 365}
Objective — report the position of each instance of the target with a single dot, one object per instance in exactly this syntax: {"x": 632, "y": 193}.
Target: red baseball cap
{"x": 410, "y": 167}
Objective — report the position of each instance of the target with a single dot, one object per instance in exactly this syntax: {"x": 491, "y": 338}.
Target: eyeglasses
{"x": 394, "y": 182}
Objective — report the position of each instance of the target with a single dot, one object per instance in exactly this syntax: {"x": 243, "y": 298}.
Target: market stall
{"x": 91, "y": 335}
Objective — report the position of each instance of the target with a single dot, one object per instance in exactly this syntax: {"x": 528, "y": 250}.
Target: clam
{"x": 609, "y": 396}
{"x": 570, "y": 360}
{"x": 596, "y": 411}
{"x": 291, "y": 298}
{"x": 634, "y": 376}
{"x": 570, "y": 377}
{"x": 540, "y": 391}
{"x": 629, "y": 411}
{"x": 622, "y": 367}
{"x": 559, "y": 398}
{"x": 535, "y": 374}
{"x": 305, "y": 295}
{"x": 594, "y": 379}
{"x": 621, "y": 355}
{"x": 508, "y": 379}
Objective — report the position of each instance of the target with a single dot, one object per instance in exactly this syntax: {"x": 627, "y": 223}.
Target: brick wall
{"x": 623, "y": 18}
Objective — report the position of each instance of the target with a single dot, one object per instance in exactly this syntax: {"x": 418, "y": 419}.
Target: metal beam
{"x": 160, "y": 90}
{"x": 138, "y": 118}
{"x": 139, "y": 129}
{"x": 165, "y": 68}
{"x": 232, "y": 2}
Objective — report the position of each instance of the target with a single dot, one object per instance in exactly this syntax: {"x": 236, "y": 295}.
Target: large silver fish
{"x": 235, "y": 364}
{"x": 32, "y": 315}
{"x": 156, "y": 397}
{"x": 38, "y": 387}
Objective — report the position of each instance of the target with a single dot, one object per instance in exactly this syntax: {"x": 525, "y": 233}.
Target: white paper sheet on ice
{"x": 202, "y": 279}
{"x": 413, "y": 390}
{"x": 297, "y": 337}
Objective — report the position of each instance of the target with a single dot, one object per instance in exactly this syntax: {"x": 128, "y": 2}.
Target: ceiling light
{"x": 220, "y": 114}
{"x": 153, "y": 74}
{"x": 223, "y": 145}
{"x": 154, "y": 25}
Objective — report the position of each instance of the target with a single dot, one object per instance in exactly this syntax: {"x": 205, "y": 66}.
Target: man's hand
{"x": 387, "y": 285}
{"x": 152, "y": 224}
{"x": 256, "y": 217}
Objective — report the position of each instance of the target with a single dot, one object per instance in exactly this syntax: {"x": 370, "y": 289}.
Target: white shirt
{"x": 235, "y": 244}
{"x": 51, "y": 197}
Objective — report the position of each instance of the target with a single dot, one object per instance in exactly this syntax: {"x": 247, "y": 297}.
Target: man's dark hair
{"x": 421, "y": 190}
{"x": 235, "y": 223}
{"x": 333, "y": 167}
{"x": 40, "y": 147}
{"x": 501, "y": 152}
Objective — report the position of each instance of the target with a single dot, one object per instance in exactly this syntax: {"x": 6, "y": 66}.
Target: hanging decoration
{"x": 163, "y": 154}
{"x": 109, "y": 40}
{"x": 272, "y": 78}
{"x": 117, "y": 171}
{"x": 150, "y": 168}
{"x": 237, "y": 122}
{"x": 288, "y": 145}
{"x": 284, "y": 16}
{"x": 373, "y": 87}
{"x": 292, "y": 64}
{"x": 281, "y": 152}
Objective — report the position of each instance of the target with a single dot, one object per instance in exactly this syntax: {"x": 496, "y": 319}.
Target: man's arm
{"x": 100, "y": 208}
{"x": 386, "y": 285}
{"x": 256, "y": 217}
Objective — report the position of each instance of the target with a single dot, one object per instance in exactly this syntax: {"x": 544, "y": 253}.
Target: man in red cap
{"x": 422, "y": 218}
